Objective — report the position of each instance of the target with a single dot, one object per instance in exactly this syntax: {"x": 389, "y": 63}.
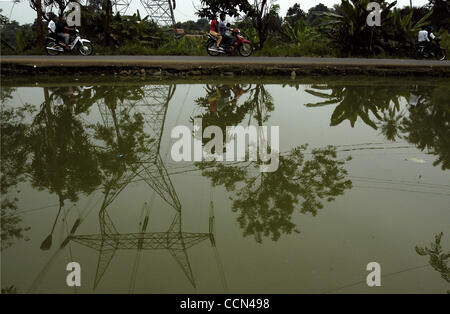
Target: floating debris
{"x": 416, "y": 160}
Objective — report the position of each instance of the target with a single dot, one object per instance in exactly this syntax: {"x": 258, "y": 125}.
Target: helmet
{"x": 430, "y": 28}
{"x": 237, "y": 31}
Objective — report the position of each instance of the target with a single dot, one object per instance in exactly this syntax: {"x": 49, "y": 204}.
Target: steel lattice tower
{"x": 121, "y": 6}
{"x": 160, "y": 11}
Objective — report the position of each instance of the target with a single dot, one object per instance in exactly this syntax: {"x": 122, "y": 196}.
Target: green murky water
{"x": 363, "y": 177}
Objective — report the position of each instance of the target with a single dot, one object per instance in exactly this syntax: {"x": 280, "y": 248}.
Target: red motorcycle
{"x": 239, "y": 44}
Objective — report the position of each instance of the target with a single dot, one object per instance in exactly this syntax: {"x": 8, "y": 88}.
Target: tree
{"x": 441, "y": 13}
{"x": 265, "y": 19}
{"x": 47, "y": 5}
{"x": 262, "y": 13}
{"x": 294, "y": 14}
{"x": 232, "y": 8}
{"x": 312, "y": 15}
{"x": 107, "y": 5}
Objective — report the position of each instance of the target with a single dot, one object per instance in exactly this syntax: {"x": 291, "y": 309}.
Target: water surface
{"x": 87, "y": 176}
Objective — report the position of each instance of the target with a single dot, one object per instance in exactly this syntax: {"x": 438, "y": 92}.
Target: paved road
{"x": 189, "y": 61}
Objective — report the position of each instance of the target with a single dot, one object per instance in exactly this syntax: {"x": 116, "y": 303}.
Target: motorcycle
{"x": 83, "y": 46}
{"x": 243, "y": 46}
{"x": 430, "y": 50}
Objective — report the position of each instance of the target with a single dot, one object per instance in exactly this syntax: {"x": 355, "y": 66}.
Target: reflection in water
{"x": 226, "y": 105}
{"x": 266, "y": 201}
{"x": 438, "y": 259}
{"x": 14, "y": 155}
{"x": 427, "y": 126}
{"x": 85, "y": 140}
{"x": 124, "y": 146}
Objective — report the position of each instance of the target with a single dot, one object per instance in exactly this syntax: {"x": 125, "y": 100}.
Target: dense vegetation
{"x": 322, "y": 31}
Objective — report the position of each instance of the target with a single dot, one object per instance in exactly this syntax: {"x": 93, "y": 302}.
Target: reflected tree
{"x": 222, "y": 106}
{"x": 63, "y": 158}
{"x": 266, "y": 201}
{"x": 428, "y": 124}
{"x": 439, "y": 260}
{"x": 14, "y": 163}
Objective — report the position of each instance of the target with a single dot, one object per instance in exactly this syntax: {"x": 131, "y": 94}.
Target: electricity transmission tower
{"x": 161, "y": 11}
{"x": 121, "y": 6}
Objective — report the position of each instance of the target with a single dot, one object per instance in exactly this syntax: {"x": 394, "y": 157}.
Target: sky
{"x": 185, "y": 8}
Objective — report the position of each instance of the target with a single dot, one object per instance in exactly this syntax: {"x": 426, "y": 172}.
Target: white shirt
{"x": 423, "y": 36}
{"x": 432, "y": 36}
{"x": 52, "y": 26}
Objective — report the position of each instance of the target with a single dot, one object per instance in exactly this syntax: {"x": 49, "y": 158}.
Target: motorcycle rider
{"x": 62, "y": 31}
{"x": 423, "y": 36}
{"x": 214, "y": 30}
{"x": 431, "y": 36}
{"x": 52, "y": 25}
{"x": 223, "y": 29}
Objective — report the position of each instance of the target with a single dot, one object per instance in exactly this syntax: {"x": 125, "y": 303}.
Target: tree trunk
{"x": 106, "y": 27}
{"x": 39, "y": 23}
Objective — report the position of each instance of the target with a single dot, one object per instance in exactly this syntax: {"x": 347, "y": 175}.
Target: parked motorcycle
{"x": 430, "y": 50}
{"x": 83, "y": 46}
{"x": 239, "y": 44}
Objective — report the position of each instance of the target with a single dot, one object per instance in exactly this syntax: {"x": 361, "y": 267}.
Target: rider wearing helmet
{"x": 431, "y": 36}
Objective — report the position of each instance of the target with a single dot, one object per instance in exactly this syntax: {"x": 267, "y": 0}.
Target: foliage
{"x": 14, "y": 156}
{"x": 441, "y": 14}
{"x": 349, "y": 31}
{"x": 428, "y": 124}
{"x": 351, "y": 34}
{"x": 230, "y": 7}
{"x": 266, "y": 201}
{"x": 294, "y": 14}
{"x": 439, "y": 260}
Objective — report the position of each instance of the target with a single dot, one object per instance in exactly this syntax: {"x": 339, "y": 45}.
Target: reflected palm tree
{"x": 391, "y": 124}
{"x": 353, "y": 102}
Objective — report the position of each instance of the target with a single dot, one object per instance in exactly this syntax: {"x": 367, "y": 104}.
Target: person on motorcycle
{"x": 52, "y": 25}
{"x": 224, "y": 30}
{"x": 423, "y": 35}
{"x": 214, "y": 30}
{"x": 228, "y": 36}
{"x": 431, "y": 36}
{"x": 222, "y": 25}
{"x": 62, "y": 31}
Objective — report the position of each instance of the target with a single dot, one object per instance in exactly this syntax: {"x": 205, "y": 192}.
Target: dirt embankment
{"x": 203, "y": 66}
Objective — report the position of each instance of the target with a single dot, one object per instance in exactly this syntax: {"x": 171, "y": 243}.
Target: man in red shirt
{"x": 215, "y": 31}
